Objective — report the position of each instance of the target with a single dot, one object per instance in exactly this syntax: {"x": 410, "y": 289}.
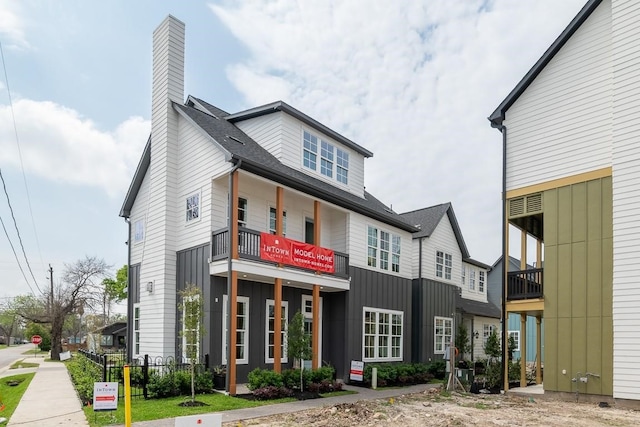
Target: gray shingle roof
{"x": 240, "y": 148}
{"x": 478, "y": 308}
{"x": 427, "y": 219}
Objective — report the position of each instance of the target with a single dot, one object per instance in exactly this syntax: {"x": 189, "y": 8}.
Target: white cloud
{"x": 12, "y": 26}
{"x": 57, "y": 143}
{"x": 411, "y": 81}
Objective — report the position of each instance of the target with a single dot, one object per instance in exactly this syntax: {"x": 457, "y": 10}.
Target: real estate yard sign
{"x": 105, "y": 396}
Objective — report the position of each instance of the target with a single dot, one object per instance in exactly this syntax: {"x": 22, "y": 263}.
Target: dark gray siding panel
{"x": 193, "y": 268}
{"x": 334, "y": 330}
{"x": 430, "y": 298}
{"x": 377, "y": 290}
{"x": 133, "y": 297}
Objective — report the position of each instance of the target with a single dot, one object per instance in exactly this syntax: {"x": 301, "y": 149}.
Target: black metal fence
{"x": 140, "y": 369}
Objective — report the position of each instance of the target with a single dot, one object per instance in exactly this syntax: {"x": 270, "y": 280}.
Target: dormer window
{"x": 334, "y": 162}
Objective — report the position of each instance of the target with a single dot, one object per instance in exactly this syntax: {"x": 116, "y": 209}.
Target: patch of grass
{"x": 11, "y": 396}
{"x": 154, "y": 409}
{"x": 35, "y": 353}
{"x": 22, "y": 364}
{"x": 480, "y": 405}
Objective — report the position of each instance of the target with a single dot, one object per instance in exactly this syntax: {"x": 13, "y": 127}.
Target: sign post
{"x": 36, "y": 339}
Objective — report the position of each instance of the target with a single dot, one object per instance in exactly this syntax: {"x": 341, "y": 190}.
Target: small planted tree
{"x": 463, "y": 343}
{"x": 493, "y": 352}
{"x": 298, "y": 343}
{"x": 192, "y": 332}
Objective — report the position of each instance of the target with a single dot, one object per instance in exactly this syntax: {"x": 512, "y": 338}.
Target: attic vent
{"x": 235, "y": 139}
{"x": 526, "y": 205}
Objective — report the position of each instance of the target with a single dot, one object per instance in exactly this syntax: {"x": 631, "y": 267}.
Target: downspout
{"x": 420, "y": 260}
{"x": 229, "y": 267}
{"x": 505, "y": 257}
{"x": 129, "y": 293}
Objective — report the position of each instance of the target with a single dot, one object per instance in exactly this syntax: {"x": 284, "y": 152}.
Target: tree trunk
{"x": 193, "y": 383}
{"x": 56, "y": 337}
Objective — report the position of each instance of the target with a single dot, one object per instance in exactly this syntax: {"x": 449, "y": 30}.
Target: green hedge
{"x": 83, "y": 374}
{"x": 289, "y": 378}
{"x": 398, "y": 374}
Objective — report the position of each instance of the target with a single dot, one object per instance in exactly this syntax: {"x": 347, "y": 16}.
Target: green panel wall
{"x": 578, "y": 276}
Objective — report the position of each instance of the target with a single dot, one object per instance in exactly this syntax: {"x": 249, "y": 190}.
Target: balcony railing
{"x": 525, "y": 284}
{"x": 249, "y": 248}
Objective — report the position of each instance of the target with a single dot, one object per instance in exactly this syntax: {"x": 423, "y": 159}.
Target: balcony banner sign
{"x": 299, "y": 254}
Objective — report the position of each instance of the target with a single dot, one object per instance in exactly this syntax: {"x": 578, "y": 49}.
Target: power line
{"x": 15, "y": 129}
{"x": 15, "y": 254}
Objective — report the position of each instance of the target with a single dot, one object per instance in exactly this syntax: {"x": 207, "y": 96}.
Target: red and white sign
{"x": 356, "y": 373}
{"x": 105, "y": 396}
{"x": 36, "y": 339}
{"x": 291, "y": 252}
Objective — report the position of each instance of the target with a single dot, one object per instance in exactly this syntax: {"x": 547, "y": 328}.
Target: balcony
{"x": 249, "y": 248}
{"x": 525, "y": 284}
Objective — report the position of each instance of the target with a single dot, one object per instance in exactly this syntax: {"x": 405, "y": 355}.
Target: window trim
{"x": 517, "y": 339}
{"x": 377, "y": 335}
{"x": 445, "y": 270}
{"x": 383, "y": 255}
{"x": 136, "y": 339}
{"x": 328, "y": 159}
{"x": 243, "y": 223}
{"x": 325, "y": 157}
{"x": 313, "y": 154}
{"x": 472, "y": 280}
{"x": 284, "y": 357}
{"x": 274, "y": 211}
{"x": 444, "y": 335}
{"x": 139, "y": 223}
{"x": 245, "y": 360}
{"x": 487, "y": 329}
{"x": 342, "y": 166}
{"x": 198, "y": 196}
{"x": 482, "y": 280}
{"x": 306, "y": 316}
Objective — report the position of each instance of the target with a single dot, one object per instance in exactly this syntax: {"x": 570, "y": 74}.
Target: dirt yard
{"x": 433, "y": 408}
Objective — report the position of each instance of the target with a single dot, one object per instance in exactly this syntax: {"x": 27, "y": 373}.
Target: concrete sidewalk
{"x": 286, "y": 408}
{"x": 50, "y": 399}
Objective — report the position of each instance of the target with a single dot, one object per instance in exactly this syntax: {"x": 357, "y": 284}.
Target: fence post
{"x": 104, "y": 367}
{"x": 145, "y": 376}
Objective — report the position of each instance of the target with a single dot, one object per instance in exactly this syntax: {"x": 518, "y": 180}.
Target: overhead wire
{"x": 4, "y": 186}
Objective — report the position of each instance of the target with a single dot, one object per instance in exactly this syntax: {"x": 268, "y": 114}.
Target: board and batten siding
{"x": 626, "y": 197}
{"x": 357, "y": 245}
{"x": 199, "y": 159}
{"x": 442, "y": 239}
{"x": 559, "y": 126}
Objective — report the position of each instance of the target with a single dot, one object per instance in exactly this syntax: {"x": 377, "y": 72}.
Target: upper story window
{"x": 138, "y": 231}
{"x": 442, "y": 332}
{"x": 310, "y": 151}
{"x": 444, "y": 262}
{"x": 242, "y": 212}
{"x": 193, "y": 208}
{"x": 472, "y": 279}
{"x": 481, "y": 281}
{"x": 272, "y": 221}
{"x": 464, "y": 275}
{"x": 379, "y": 244}
{"x": 326, "y": 159}
{"x": 342, "y": 166}
{"x": 333, "y": 160}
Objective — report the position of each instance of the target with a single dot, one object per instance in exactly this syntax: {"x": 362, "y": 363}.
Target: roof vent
{"x": 235, "y": 139}
{"x": 525, "y": 205}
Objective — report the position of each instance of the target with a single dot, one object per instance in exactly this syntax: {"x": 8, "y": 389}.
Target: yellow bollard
{"x": 127, "y": 397}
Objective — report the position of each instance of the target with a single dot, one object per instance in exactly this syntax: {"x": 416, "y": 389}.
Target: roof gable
{"x": 497, "y": 117}
{"x": 427, "y": 219}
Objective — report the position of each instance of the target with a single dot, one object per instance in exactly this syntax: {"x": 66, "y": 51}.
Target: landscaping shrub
{"x": 391, "y": 374}
{"x": 438, "y": 369}
{"x": 325, "y": 386}
{"x": 178, "y": 383}
{"x": 272, "y": 392}
{"x": 83, "y": 374}
{"x": 291, "y": 378}
{"x": 260, "y": 378}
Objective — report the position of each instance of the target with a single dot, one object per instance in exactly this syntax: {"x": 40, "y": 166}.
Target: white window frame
{"x": 268, "y": 332}
{"x": 464, "y": 275}
{"x": 444, "y": 264}
{"x": 136, "y": 330}
{"x": 472, "y": 280}
{"x": 487, "y": 329}
{"x": 327, "y": 157}
{"x": 193, "y": 207}
{"x": 273, "y": 212}
{"x": 391, "y": 336}
{"x": 308, "y": 318}
{"x": 310, "y": 150}
{"x": 245, "y": 210}
{"x": 138, "y": 231}
{"x": 184, "y": 331}
{"x": 481, "y": 280}
{"x": 383, "y": 249}
{"x": 245, "y": 359}
{"x": 516, "y": 337}
{"x": 442, "y": 338}
{"x": 342, "y": 166}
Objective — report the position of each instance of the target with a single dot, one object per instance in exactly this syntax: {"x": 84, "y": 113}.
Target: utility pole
{"x": 51, "y": 300}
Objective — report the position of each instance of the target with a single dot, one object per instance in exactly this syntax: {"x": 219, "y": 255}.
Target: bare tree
{"x": 79, "y": 289}
{"x": 9, "y": 320}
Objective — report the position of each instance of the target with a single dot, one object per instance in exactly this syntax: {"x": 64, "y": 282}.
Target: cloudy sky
{"x": 412, "y": 81}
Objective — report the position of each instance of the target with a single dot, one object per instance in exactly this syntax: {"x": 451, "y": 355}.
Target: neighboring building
{"x": 514, "y": 327}
{"x": 572, "y": 172}
{"x": 261, "y": 208}
{"x": 442, "y": 264}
